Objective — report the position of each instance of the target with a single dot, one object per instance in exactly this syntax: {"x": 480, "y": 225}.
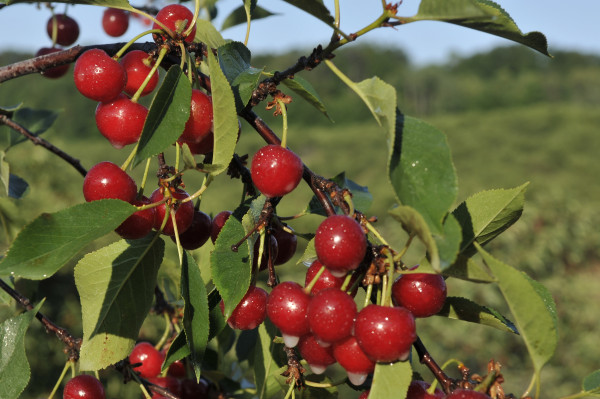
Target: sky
{"x": 569, "y": 25}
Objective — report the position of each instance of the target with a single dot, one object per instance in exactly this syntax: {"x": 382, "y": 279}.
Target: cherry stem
{"x": 123, "y": 49}
{"x": 145, "y": 177}
{"x": 426, "y": 359}
{"x": 314, "y": 280}
{"x": 194, "y": 18}
{"x": 161, "y": 54}
{"x": 285, "y": 122}
{"x": 60, "y": 378}
{"x": 176, "y": 234}
{"x": 5, "y": 120}
{"x": 368, "y": 295}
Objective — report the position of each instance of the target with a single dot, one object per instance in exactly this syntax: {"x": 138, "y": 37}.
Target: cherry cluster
{"x": 63, "y": 31}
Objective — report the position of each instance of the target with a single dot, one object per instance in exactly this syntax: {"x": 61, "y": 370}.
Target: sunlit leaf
{"x": 464, "y": 309}
{"x": 391, "y": 380}
{"x": 316, "y": 8}
{"x": 466, "y": 268}
{"x": 305, "y": 90}
{"x": 207, "y": 33}
{"x": 238, "y": 16}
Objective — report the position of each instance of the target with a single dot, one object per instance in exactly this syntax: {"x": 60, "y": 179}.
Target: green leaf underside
{"x": 47, "y": 243}
{"x": 207, "y": 33}
{"x": 466, "y": 268}
{"x": 391, "y": 380}
{"x": 14, "y": 367}
{"x": 305, "y": 90}
{"x": 485, "y": 215}
{"x": 17, "y": 187}
{"x": 361, "y": 197}
{"x": 314, "y": 8}
{"x": 103, "y": 3}
{"x": 238, "y": 16}
{"x": 37, "y": 121}
{"x": 224, "y": 117}
{"x": 532, "y": 307}
{"x": 195, "y": 311}
{"x": 482, "y": 15}
{"x": 310, "y": 254}
{"x": 167, "y": 115}
{"x": 464, "y": 309}
{"x": 592, "y": 381}
{"x": 449, "y": 243}
{"x": 116, "y": 286}
{"x": 234, "y": 59}
{"x": 177, "y": 350}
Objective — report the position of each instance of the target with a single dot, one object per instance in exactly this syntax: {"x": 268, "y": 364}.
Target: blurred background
{"x": 511, "y": 115}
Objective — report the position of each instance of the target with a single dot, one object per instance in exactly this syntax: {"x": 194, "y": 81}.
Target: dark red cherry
{"x": 331, "y": 314}
{"x": 317, "y": 356}
{"x": 83, "y": 386}
{"x": 115, "y": 22}
{"x": 106, "y": 180}
{"x": 98, "y": 76}
{"x": 250, "y": 312}
{"x": 466, "y": 394}
{"x": 364, "y": 395}
{"x": 138, "y": 65}
{"x": 121, "y": 121}
{"x": 190, "y": 389}
{"x": 203, "y": 147}
{"x": 184, "y": 211}
{"x": 351, "y": 357}
{"x": 200, "y": 122}
{"x": 264, "y": 261}
{"x": 177, "y": 369}
{"x": 151, "y": 359}
{"x": 340, "y": 244}
{"x": 418, "y": 390}
{"x": 217, "y": 224}
{"x": 140, "y": 224}
{"x": 177, "y": 18}
{"x": 422, "y": 293}
{"x": 287, "y": 307}
{"x": 171, "y": 383}
{"x": 55, "y": 72}
{"x": 276, "y": 171}
{"x": 67, "y": 29}
{"x": 198, "y": 232}
{"x": 286, "y": 245}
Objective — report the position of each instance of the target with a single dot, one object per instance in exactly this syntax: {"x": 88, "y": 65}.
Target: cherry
{"x": 55, "y": 72}
{"x": 317, "y": 356}
{"x": 384, "y": 333}
{"x": 325, "y": 280}
{"x": 340, "y": 244}
{"x": 203, "y": 147}
{"x": 422, "y": 293}
{"x": 139, "y": 224}
{"x": 151, "y": 359}
{"x": 99, "y": 77}
{"x": 107, "y": 180}
{"x": 115, "y": 22}
{"x": 190, "y": 389}
{"x": 121, "y": 121}
{"x": 364, "y": 395}
{"x": 198, "y": 233}
{"x": 184, "y": 212}
{"x": 67, "y": 29}
{"x": 466, "y": 394}
{"x": 174, "y": 16}
{"x": 418, "y": 390}
{"x": 331, "y": 314}
{"x": 276, "y": 171}
{"x": 250, "y": 312}
{"x": 286, "y": 308}
{"x": 177, "y": 369}
{"x": 200, "y": 122}
{"x": 351, "y": 357}
{"x": 138, "y": 65}
{"x": 264, "y": 261}
{"x": 286, "y": 245}
{"x": 217, "y": 224}
{"x": 170, "y": 383}
{"x": 83, "y": 386}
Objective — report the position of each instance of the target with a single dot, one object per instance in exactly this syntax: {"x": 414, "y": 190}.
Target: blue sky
{"x": 567, "y": 25}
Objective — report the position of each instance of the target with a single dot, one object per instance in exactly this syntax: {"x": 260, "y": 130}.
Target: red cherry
{"x": 340, "y": 244}
{"x": 286, "y": 308}
{"x": 190, "y": 389}
{"x": 107, "y": 180}
{"x": 250, "y": 312}
{"x": 151, "y": 359}
{"x": 121, "y": 121}
{"x": 200, "y": 123}
{"x": 198, "y": 232}
{"x": 331, "y": 314}
{"x": 217, "y": 224}
{"x": 55, "y": 72}
{"x": 67, "y": 29}
{"x": 276, "y": 171}
{"x": 351, "y": 357}
{"x": 317, "y": 356}
{"x": 466, "y": 394}
{"x": 286, "y": 245}
{"x": 139, "y": 224}
{"x": 99, "y": 77}
{"x": 364, "y": 395}
{"x": 170, "y": 383}
{"x": 138, "y": 65}
{"x": 203, "y": 147}
{"x": 173, "y": 17}
{"x": 325, "y": 280}
{"x": 418, "y": 390}
{"x": 384, "y": 333}
{"x": 115, "y": 22}
{"x": 83, "y": 387}
{"x": 264, "y": 262}
{"x": 184, "y": 214}
{"x": 422, "y": 293}
{"x": 177, "y": 369}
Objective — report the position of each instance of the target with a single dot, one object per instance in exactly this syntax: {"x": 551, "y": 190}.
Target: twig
{"x": 425, "y": 358}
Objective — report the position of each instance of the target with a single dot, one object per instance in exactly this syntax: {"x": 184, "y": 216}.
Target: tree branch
{"x": 425, "y": 358}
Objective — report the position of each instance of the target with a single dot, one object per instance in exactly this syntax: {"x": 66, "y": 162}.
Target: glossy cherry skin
{"x": 203, "y": 147}
{"x": 121, "y": 121}
{"x": 171, "y": 383}
{"x": 317, "y": 356}
{"x": 351, "y": 357}
{"x": 177, "y": 369}
{"x": 466, "y": 394}
{"x": 331, "y": 314}
{"x": 138, "y": 65}
{"x": 200, "y": 123}
{"x": 275, "y": 170}
{"x": 115, "y": 22}
{"x": 418, "y": 390}
{"x": 67, "y": 29}
{"x": 138, "y": 225}
{"x": 198, "y": 232}
{"x": 264, "y": 261}
{"x": 422, "y": 293}
{"x": 340, "y": 244}
{"x": 184, "y": 214}
{"x": 217, "y": 224}
{"x": 364, "y": 395}
{"x": 287, "y": 308}
{"x": 385, "y": 333}
{"x": 99, "y": 77}
{"x": 83, "y": 386}
{"x": 250, "y": 312}
{"x": 107, "y": 180}
{"x": 151, "y": 359}
{"x": 173, "y": 17}
{"x": 325, "y": 280}
{"x": 286, "y": 245}
{"x": 55, "y": 72}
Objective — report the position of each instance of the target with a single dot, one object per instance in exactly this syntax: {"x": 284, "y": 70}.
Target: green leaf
{"x": 485, "y": 215}
{"x": 361, "y": 197}
{"x": 449, "y": 243}
{"x": 592, "y": 381}
{"x": 14, "y": 367}
{"x": 195, "y": 311}
{"x": 207, "y": 33}
{"x": 305, "y": 90}
{"x": 310, "y": 254}
{"x": 17, "y": 187}
{"x": 47, "y": 243}
{"x": 37, "y": 121}
{"x": 466, "y": 268}
{"x": 177, "y": 350}
{"x": 391, "y": 380}
{"x": 103, "y": 3}
{"x": 116, "y": 286}
{"x": 224, "y": 116}
{"x": 532, "y": 307}
{"x": 262, "y": 362}
{"x": 238, "y": 16}
{"x": 167, "y": 116}
{"x": 482, "y": 15}
{"x": 314, "y": 8}
{"x": 464, "y": 309}
{"x": 234, "y": 59}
